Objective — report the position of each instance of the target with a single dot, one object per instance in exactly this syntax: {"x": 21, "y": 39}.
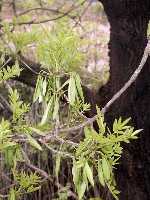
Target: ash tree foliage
{"x": 60, "y": 128}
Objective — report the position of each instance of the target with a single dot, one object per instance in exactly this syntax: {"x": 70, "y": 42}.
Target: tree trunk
{"x": 128, "y": 20}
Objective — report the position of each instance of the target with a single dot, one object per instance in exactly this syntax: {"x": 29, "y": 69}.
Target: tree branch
{"x": 117, "y": 95}
{"x": 67, "y": 13}
{"x": 131, "y": 80}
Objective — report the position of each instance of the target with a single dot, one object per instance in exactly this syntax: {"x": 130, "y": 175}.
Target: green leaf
{"x": 10, "y": 156}
{"x": 125, "y": 122}
{"x": 76, "y": 173}
{"x": 48, "y": 107}
{"x": 71, "y": 90}
{"x": 81, "y": 190}
{"x": 44, "y": 86}
{"x": 37, "y": 89}
{"x": 87, "y": 132}
{"x": 56, "y": 108}
{"x": 17, "y": 106}
{"x": 34, "y": 143}
{"x": 84, "y": 177}
{"x": 7, "y": 144}
{"x": 89, "y": 173}
{"x": 106, "y": 168}
{"x": 100, "y": 174}
{"x": 100, "y": 121}
{"x": 12, "y": 195}
{"x": 78, "y": 86}
{"x": 136, "y": 132}
{"x": 10, "y": 72}
{"x": 41, "y": 96}
{"x": 57, "y": 167}
{"x": 33, "y": 189}
{"x": 120, "y": 125}
{"x": 37, "y": 131}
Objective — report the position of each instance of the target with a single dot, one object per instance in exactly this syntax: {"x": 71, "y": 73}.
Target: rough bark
{"x": 128, "y": 20}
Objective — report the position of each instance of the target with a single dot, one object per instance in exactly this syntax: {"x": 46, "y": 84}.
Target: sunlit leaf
{"x": 81, "y": 190}
{"x": 48, "y": 107}
{"x": 76, "y": 173}
{"x": 106, "y": 168}
{"x": 100, "y": 121}
{"x": 72, "y": 91}
{"x": 78, "y": 86}
{"x": 57, "y": 167}
{"x": 89, "y": 173}
{"x": 37, "y": 131}
{"x": 100, "y": 174}
{"x": 56, "y": 108}
{"x": 37, "y": 89}
{"x": 44, "y": 87}
{"x": 12, "y": 195}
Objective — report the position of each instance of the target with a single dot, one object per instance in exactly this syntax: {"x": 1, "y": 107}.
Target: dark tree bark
{"x": 128, "y": 20}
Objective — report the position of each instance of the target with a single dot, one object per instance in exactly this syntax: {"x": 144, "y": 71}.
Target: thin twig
{"x": 3, "y": 196}
{"x": 65, "y": 154}
{"x": 39, "y": 8}
{"x": 55, "y": 18}
{"x": 6, "y": 63}
{"x": 131, "y": 80}
{"x": 28, "y": 67}
{"x": 40, "y": 171}
{"x": 50, "y": 136}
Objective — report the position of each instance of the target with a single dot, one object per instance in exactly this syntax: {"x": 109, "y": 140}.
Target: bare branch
{"x": 65, "y": 154}
{"x": 131, "y": 80}
{"x": 51, "y": 10}
{"x": 40, "y": 8}
{"x": 40, "y": 171}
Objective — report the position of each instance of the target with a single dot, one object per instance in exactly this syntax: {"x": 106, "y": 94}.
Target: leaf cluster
{"x": 58, "y": 51}
{"x": 7, "y": 73}
{"x": 25, "y": 183}
{"x": 101, "y": 151}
